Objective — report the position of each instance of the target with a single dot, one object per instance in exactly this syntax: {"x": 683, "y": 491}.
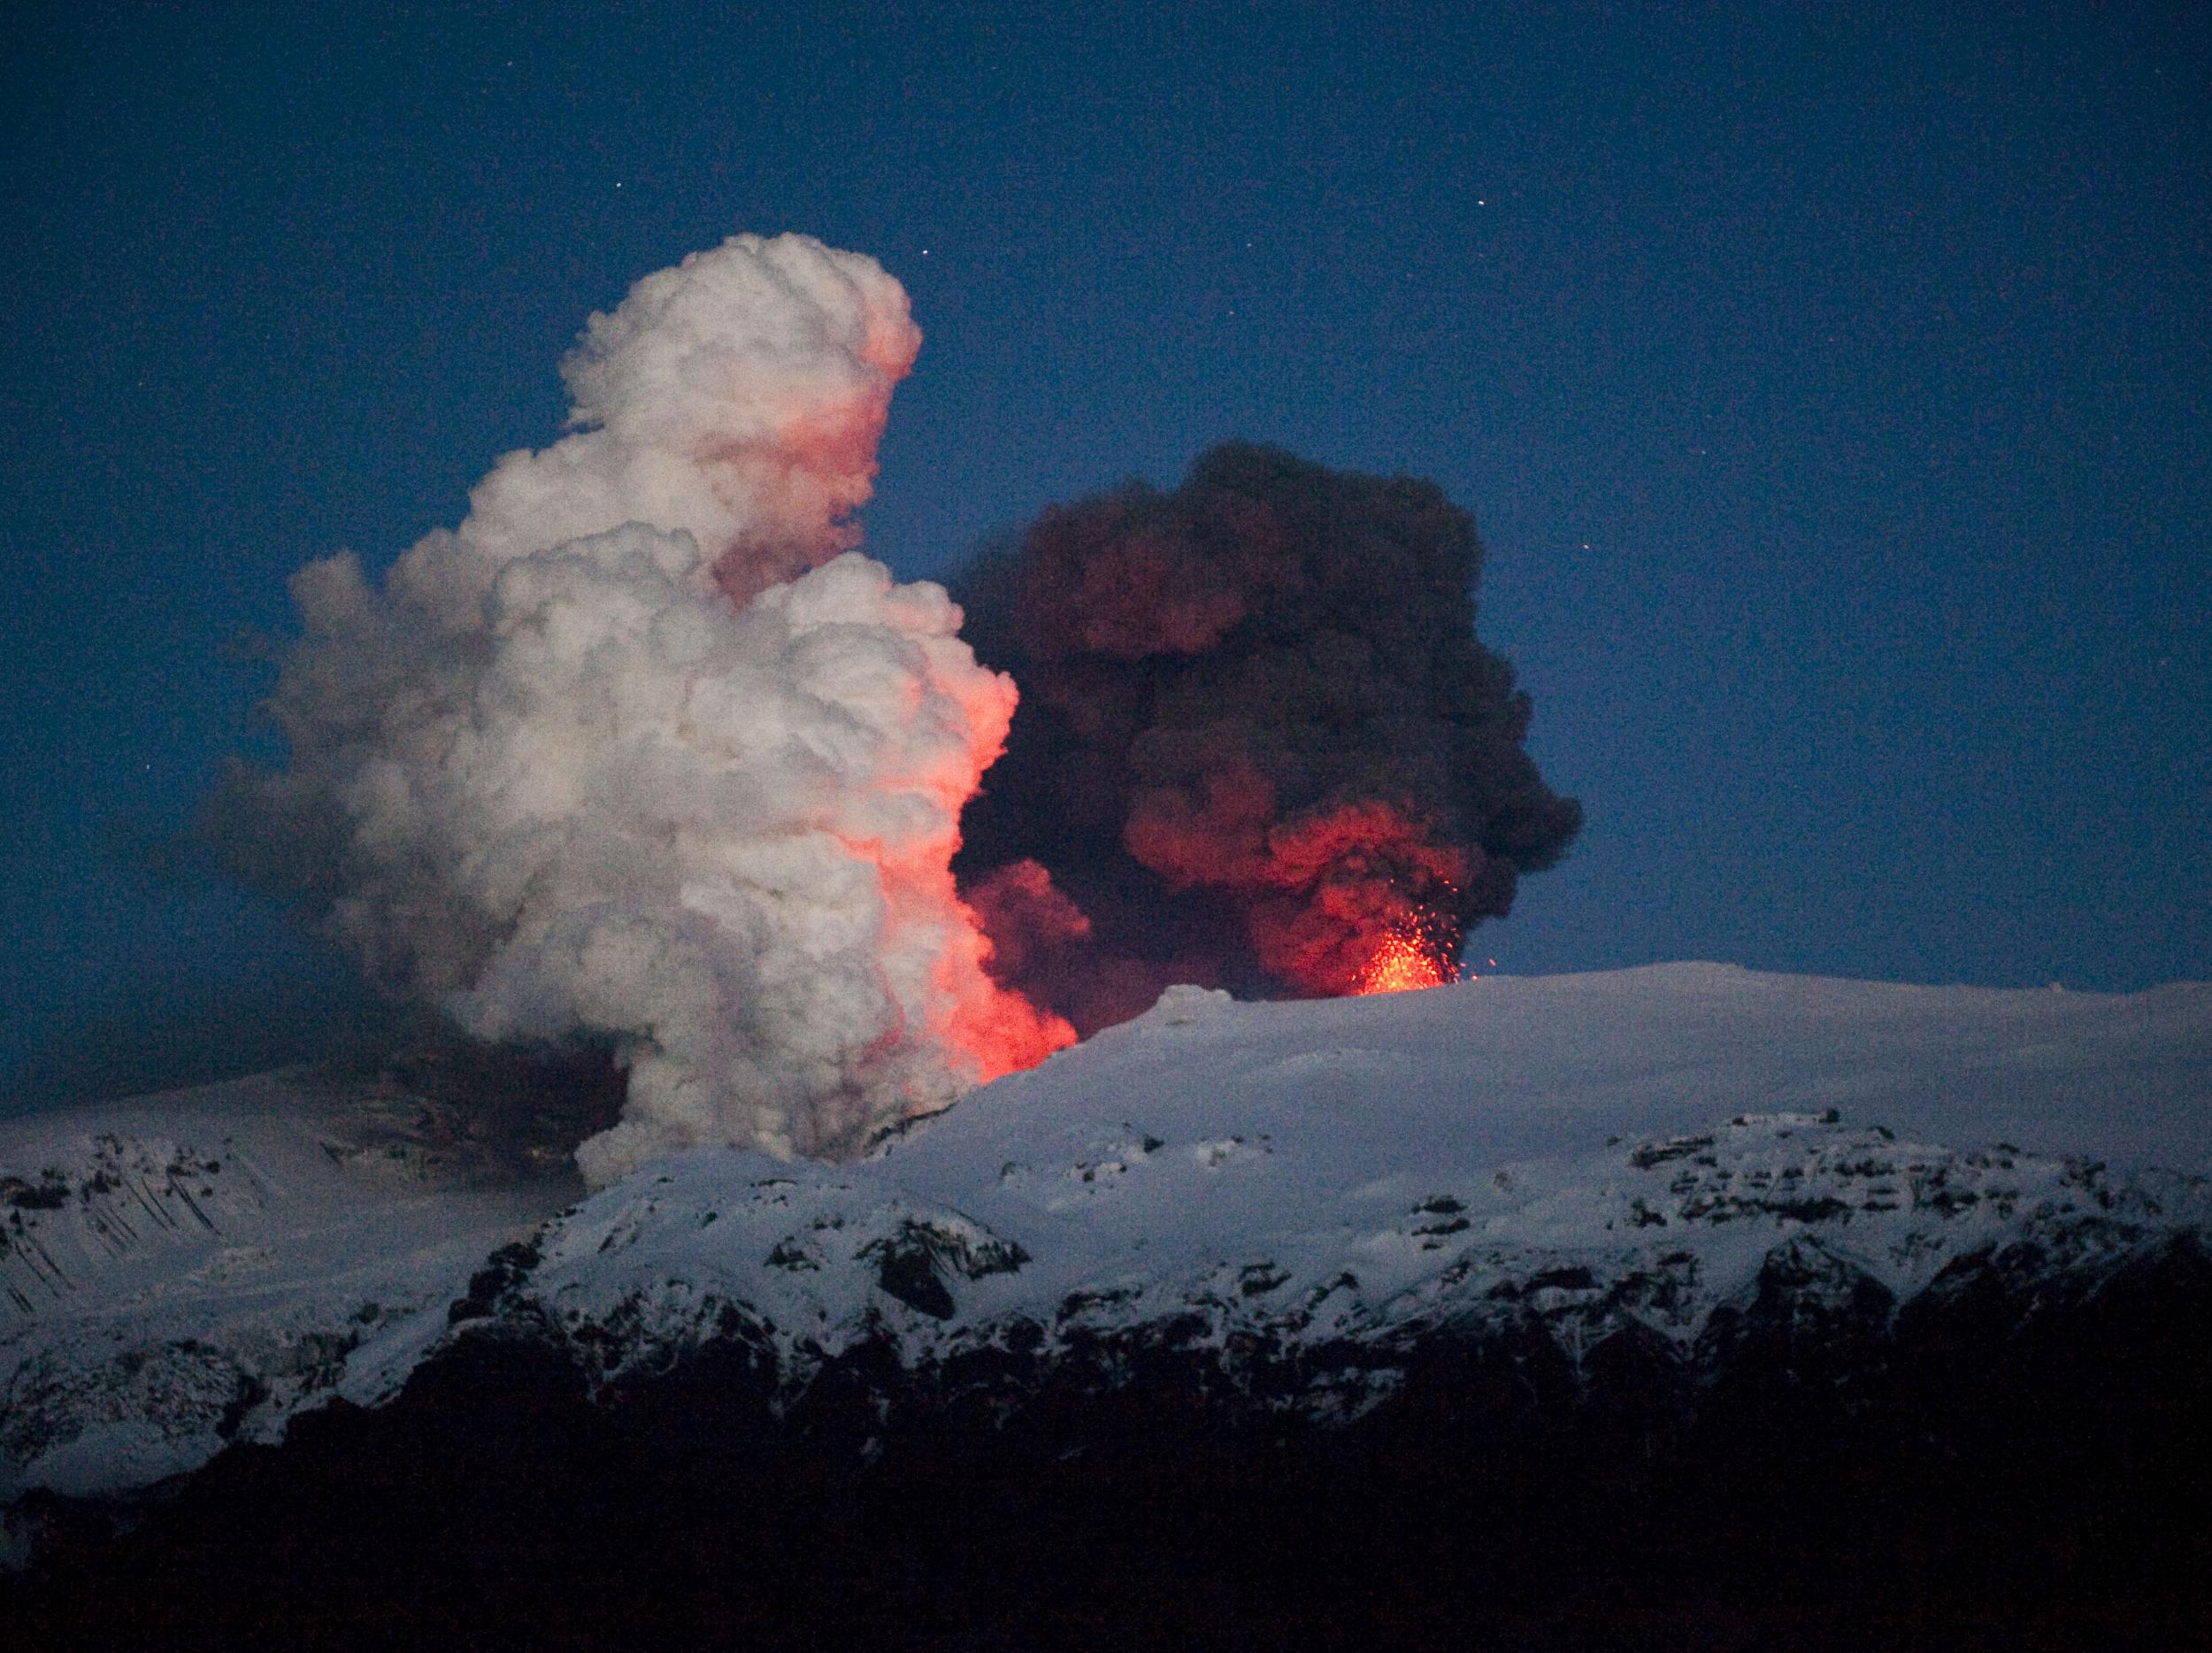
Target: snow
{"x": 205, "y": 1242}
{"x": 1331, "y": 1111}
{"x": 1629, "y": 1143}
{"x": 1506, "y": 1068}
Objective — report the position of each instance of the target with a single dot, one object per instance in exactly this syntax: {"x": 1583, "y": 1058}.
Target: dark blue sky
{"x": 1833, "y": 386}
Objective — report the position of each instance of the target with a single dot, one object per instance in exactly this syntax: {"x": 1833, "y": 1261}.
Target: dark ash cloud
{"x": 1257, "y": 736}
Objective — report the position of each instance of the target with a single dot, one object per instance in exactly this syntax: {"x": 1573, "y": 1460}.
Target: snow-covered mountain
{"x": 1282, "y": 1215}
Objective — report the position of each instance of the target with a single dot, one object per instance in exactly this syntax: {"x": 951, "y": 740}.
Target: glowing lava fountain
{"x": 1407, "y": 958}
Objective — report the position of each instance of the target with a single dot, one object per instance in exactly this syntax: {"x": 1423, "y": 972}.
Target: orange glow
{"x": 1405, "y": 960}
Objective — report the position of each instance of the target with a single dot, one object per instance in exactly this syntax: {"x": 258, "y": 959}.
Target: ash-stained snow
{"x": 1591, "y": 1151}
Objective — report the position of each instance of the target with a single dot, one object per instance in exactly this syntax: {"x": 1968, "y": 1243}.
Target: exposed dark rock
{"x": 493, "y": 1286}
{"x": 2015, "y": 1457}
{"x": 914, "y": 1264}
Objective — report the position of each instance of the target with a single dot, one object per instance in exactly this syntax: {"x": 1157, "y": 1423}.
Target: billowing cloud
{"x": 1259, "y": 739}
{"x": 643, "y": 751}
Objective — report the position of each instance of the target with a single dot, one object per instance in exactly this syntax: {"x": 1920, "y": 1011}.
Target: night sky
{"x": 1833, "y": 386}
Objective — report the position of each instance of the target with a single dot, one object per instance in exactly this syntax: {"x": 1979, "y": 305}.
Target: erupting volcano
{"x": 644, "y": 755}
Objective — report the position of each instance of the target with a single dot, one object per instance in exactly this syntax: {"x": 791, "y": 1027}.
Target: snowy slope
{"x": 1364, "y": 1099}
{"x": 174, "y": 1267}
{"x": 1272, "y": 1182}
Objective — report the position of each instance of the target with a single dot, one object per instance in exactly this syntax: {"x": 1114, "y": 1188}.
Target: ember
{"x": 1407, "y": 958}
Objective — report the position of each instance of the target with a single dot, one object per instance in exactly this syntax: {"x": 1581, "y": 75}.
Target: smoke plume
{"x": 1258, "y": 738}
{"x": 644, "y": 752}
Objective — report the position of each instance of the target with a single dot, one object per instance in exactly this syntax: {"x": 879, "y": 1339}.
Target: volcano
{"x": 1679, "y": 1306}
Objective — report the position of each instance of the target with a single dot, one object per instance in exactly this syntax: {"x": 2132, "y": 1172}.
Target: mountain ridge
{"x": 1261, "y": 1229}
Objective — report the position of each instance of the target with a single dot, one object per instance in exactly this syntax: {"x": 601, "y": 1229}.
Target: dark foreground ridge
{"x": 2018, "y": 1457}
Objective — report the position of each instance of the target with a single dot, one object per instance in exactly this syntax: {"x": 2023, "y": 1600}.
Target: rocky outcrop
{"x": 1778, "y": 1440}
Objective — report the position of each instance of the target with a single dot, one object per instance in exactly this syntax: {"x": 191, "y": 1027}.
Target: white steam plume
{"x": 643, "y": 751}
